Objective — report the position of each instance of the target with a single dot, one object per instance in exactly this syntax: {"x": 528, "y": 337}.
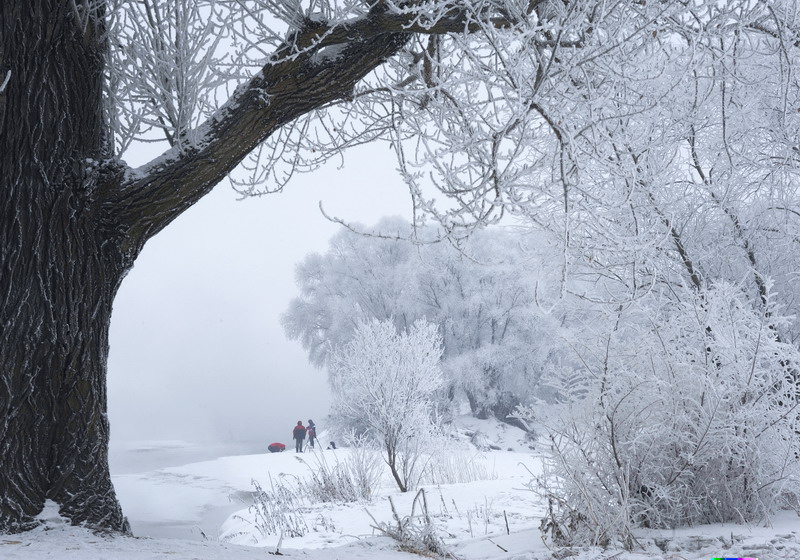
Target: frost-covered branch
{"x": 174, "y": 77}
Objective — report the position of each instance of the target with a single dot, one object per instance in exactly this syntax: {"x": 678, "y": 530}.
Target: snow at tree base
{"x": 494, "y": 517}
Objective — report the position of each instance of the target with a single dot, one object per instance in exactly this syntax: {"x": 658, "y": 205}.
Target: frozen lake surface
{"x": 128, "y": 457}
{"x": 138, "y": 464}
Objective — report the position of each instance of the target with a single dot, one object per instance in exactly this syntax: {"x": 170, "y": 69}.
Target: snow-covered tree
{"x": 357, "y": 279}
{"x": 685, "y": 413}
{"x": 498, "y": 340}
{"x": 482, "y": 296}
{"x": 384, "y": 385}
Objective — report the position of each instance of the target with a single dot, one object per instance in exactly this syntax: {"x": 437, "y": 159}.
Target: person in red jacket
{"x": 299, "y": 434}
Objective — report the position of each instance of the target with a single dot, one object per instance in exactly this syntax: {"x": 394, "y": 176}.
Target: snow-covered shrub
{"x": 355, "y": 478}
{"x": 364, "y": 466}
{"x": 278, "y": 511}
{"x": 384, "y": 383}
{"x": 281, "y": 509}
{"x": 455, "y": 467}
{"x": 683, "y": 416}
{"x": 415, "y": 532}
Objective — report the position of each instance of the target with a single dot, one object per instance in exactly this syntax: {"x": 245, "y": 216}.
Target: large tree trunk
{"x": 56, "y": 311}
{"x": 59, "y": 271}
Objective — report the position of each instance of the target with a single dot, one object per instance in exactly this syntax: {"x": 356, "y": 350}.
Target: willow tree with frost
{"x": 485, "y": 101}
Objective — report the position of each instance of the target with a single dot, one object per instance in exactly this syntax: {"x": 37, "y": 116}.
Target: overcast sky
{"x": 197, "y": 350}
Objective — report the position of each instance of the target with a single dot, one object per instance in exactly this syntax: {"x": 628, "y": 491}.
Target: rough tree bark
{"x": 73, "y": 220}
{"x": 60, "y": 266}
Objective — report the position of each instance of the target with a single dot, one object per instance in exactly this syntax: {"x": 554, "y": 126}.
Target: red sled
{"x": 276, "y": 447}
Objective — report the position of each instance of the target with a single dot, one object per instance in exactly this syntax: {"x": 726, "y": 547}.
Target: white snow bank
{"x": 471, "y": 518}
{"x": 57, "y": 541}
{"x": 461, "y": 511}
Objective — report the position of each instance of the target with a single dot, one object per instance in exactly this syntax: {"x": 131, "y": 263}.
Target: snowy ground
{"x": 199, "y": 511}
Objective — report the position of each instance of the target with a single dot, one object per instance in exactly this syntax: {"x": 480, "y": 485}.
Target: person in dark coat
{"x": 311, "y": 431}
{"x": 299, "y": 434}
